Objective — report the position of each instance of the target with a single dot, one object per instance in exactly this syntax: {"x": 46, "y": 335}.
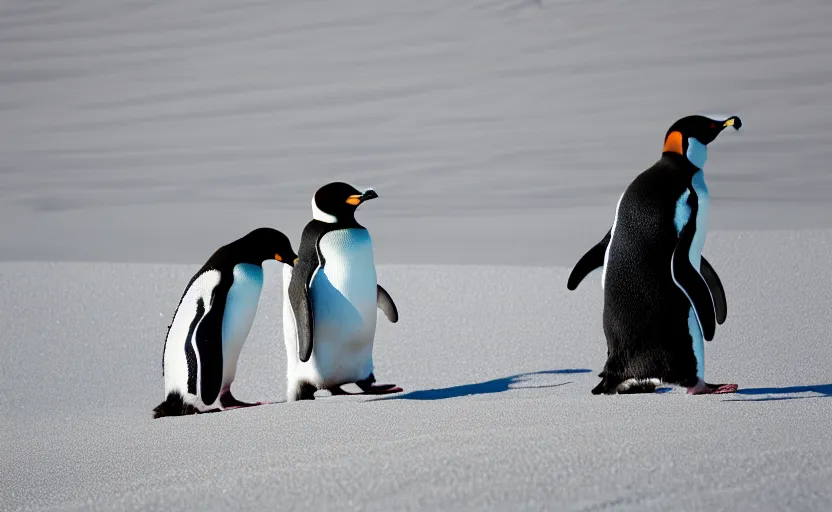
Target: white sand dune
{"x": 497, "y": 364}
{"x": 137, "y": 136}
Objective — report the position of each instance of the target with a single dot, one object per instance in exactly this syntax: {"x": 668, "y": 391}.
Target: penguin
{"x": 330, "y": 300}
{"x": 211, "y": 324}
{"x": 661, "y": 296}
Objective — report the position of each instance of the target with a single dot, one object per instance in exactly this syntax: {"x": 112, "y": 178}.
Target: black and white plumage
{"x": 661, "y": 296}
{"x": 212, "y": 321}
{"x": 330, "y": 299}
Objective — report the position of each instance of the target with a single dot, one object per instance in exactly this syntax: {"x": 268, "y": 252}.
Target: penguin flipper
{"x": 593, "y": 259}
{"x": 717, "y": 291}
{"x": 302, "y": 308}
{"x": 210, "y": 353}
{"x": 692, "y": 283}
{"x": 386, "y": 304}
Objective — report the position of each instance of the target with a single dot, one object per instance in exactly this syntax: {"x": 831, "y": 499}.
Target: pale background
{"x": 138, "y": 136}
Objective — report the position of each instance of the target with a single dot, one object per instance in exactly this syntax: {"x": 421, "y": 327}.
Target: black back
{"x": 645, "y": 313}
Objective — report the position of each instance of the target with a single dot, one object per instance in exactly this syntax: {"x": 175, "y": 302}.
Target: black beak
{"x": 734, "y": 121}
{"x": 357, "y": 199}
{"x": 291, "y": 261}
{"x": 368, "y": 194}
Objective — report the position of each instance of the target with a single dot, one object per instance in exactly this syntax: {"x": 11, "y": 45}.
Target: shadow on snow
{"x": 487, "y": 387}
{"x": 785, "y": 393}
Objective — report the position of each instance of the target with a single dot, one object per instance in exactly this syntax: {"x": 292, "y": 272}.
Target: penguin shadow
{"x": 487, "y": 387}
{"x": 785, "y": 393}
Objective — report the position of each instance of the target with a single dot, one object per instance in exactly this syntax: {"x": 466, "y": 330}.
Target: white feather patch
{"x": 322, "y": 216}
{"x": 175, "y": 360}
{"x": 612, "y": 235}
{"x": 629, "y": 383}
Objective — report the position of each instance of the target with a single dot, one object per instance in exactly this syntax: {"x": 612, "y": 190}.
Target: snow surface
{"x": 497, "y": 363}
{"x": 137, "y": 136}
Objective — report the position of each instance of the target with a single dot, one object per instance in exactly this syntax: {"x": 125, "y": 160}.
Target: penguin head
{"x": 337, "y": 202}
{"x": 690, "y": 136}
{"x": 265, "y": 244}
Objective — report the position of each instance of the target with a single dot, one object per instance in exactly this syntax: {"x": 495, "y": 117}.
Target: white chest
{"x": 703, "y": 200}
{"x": 683, "y": 213}
{"x": 240, "y": 309}
{"x": 179, "y": 337}
{"x": 344, "y": 290}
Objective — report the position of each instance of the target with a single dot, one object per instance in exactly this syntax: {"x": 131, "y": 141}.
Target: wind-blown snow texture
{"x": 497, "y": 364}
{"x": 145, "y": 134}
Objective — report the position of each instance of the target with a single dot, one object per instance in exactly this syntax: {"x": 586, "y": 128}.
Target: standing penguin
{"x": 212, "y": 321}
{"x": 661, "y": 296}
{"x": 330, "y": 299}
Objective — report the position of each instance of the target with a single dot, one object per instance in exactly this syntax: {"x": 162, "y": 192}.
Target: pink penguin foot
{"x": 228, "y": 402}
{"x": 245, "y": 405}
{"x": 703, "y": 388}
{"x": 382, "y": 389}
{"x": 373, "y": 389}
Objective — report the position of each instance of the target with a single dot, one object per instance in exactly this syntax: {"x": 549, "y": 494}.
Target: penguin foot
{"x": 369, "y": 387}
{"x": 227, "y": 401}
{"x": 366, "y": 383}
{"x": 703, "y": 388}
{"x": 364, "y": 389}
{"x": 382, "y": 389}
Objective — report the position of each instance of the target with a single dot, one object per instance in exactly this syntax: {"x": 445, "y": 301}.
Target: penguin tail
{"x": 174, "y": 405}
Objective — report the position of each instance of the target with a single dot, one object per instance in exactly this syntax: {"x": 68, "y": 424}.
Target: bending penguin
{"x": 661, "y": 296}
{"x": 330, "y": 300}
{"x": 211, "y": 324}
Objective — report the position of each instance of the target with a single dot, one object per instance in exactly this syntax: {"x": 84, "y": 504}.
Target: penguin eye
{"x": 713, "y": 125}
